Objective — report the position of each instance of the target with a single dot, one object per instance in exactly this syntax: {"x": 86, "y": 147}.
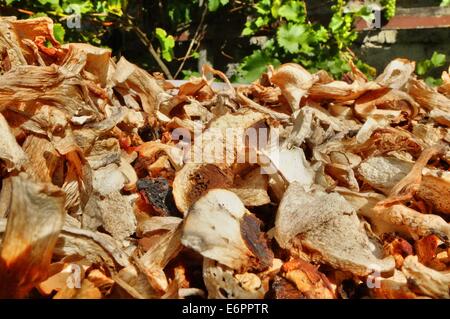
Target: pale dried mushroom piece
{"x": 252, "y": 188}
{"x": 35, "y": 218}
{"x": 409, "y": 222}
{"x": 10, "y": 151}
{"x": 327, "y": 225}
{"x": 113, "y": 212}
{"x": 394, "y": 287}
{"x": 341, "y": 91}
{"x": 219, "y": 227}
{"x": 441, "y": 117}
{"x": 426, "y": 281}
{"x": 45, "y": 164}
{"x": 294, "y": 82}
{"x": 165, "y": 247}
{"x": 223, "y": 283}
{"x": 435, "y": 189}
{"x": 194, "y": 180}
{"x": 397, "y": 73}
{"x": 391, "y": 104}
{"x": 129, "y": 77}
{"x": 427, "y": 97}
{"x": 384, "y": 172}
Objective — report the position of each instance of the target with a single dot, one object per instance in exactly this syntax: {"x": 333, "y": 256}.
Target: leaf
{"x": 433, "y": 81}
{"x": 293, "y": 11}
{"x": 336, "y": 22}
{"x": 321, "y": 35}
{"x": 423, "y": 67}
{"x": 213, "y": 5}
{"x": 289, "y": 36}
{"x": 254, "y": 65}
{"x": 438, "y": 59}
{"x": 53, "y": 3}
{"x": 167, "y": 43}
{"x": 59, "y": 32}
{"x": 445, "y": 3}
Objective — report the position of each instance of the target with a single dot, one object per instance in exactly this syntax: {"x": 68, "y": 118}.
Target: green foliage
{"x": 425, "y": 67}
{"x": 213, "y": 5}
{"x": 295, "y": 38}
{"x": 187, "y": 74}
{"x": 389, "y": 8}
{"x": 167, "y": 44}
{"x": 445, "y": 3}
{"x": 289, "y": 33}
{"x": 59, "y": 32}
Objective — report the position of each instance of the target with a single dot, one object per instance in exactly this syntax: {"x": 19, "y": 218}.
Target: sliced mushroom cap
{"x": 294, "y": 82}
{"x": 308, "y": 279}
{"x": 10, "y": 150}
{"x": 384, "y": 172}
{"x": 35, "y": 218}
{"x": 326, "y": 224}
{"x": 435, "y": 189}
{"x": 223, "y": 283}
{"x": 409, "y": 222}
{"x": 397, "y": 73}
{"x": 428, "y": 98}
{"x": 391, "y": 104}
{"x": 194, "y": 180}
{"x": 219, "y": 227}
{"x": 425, "y": 280}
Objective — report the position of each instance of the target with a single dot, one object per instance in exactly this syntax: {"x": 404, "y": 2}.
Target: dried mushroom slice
{"x": 10, "y": 151}
{"x": 219, "y": 227}
{"x": 426, "y": 281}
{"x": 408, "y": 222}
{"x": 35, "y": 218}
{"x": 223, "y": 283}
{"x": 340, "y": 91}
{"x": 308, "y": 279}
{"x": 394, "y": 287}
{"x": 327, "y": 225}
{"x": 129, "y": 77}
{"x": 252, "y": 188}
{"x": 194, "y": 180}
{"x": 294, "y": 82}
{"x": 428, "y": 98}
{"x": 435, "y": 190}
{"x": 396, "y": 74}
{"x": 391, "y": 104}
{"x": 384, "y": 172}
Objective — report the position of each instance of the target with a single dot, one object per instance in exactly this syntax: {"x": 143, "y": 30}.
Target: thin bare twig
{"x": 191, "y": 45}
{"x": 146, "y": 41}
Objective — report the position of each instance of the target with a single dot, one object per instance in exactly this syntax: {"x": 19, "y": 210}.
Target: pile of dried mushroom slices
{"x": 101, "y": 199}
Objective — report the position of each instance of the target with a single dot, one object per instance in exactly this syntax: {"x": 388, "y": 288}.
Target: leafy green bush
{"x": 293, "y": 37}
{"x": 284, "y": 25}
{"x": 425, "y": 67}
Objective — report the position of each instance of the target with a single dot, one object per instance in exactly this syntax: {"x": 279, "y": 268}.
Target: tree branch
{"x": 191, "y": 45}
{"x": 146, "y": 41}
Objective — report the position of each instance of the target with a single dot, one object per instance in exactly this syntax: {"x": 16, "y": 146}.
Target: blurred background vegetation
{"x": 174, "y": 37}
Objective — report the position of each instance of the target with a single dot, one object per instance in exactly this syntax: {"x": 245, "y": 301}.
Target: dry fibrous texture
{"x": 326, "y": 224}
{"x": 118, "y": 184}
